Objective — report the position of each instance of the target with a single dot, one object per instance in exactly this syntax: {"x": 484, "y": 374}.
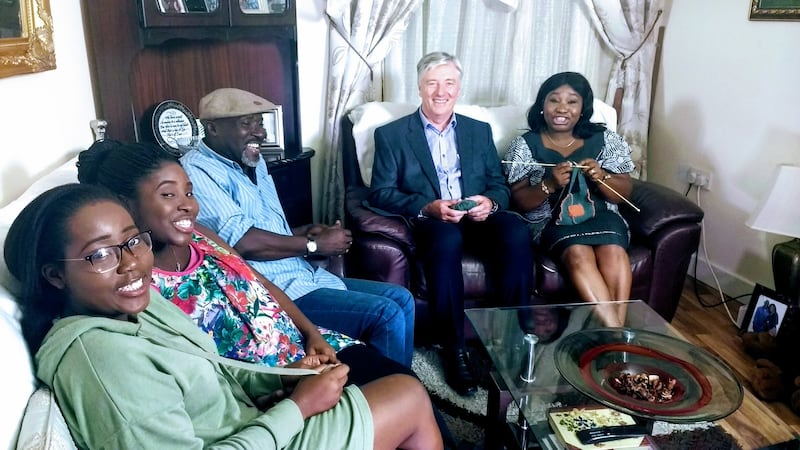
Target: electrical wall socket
{"x": 698, "y": 177}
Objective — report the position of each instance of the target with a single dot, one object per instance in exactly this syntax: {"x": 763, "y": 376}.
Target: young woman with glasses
{"x": 130, "y": 370}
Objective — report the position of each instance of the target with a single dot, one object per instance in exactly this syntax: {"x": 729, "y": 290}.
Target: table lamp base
{"x": 786, "y": 269}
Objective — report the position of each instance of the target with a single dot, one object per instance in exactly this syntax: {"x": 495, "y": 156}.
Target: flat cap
{"x": 232, "y": 102}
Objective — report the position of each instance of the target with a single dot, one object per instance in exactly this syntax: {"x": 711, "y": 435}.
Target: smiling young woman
{"x": 101, "y": 337}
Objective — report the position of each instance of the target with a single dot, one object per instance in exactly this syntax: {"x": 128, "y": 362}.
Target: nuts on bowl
{"x": 643, "y": 386}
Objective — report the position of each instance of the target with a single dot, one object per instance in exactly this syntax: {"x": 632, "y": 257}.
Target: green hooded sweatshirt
{"x": 136, "y": 384}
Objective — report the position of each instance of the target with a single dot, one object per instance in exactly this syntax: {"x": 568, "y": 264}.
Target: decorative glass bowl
{"x": 705, "y": 387}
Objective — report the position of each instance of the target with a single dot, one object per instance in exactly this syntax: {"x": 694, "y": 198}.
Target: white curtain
{"x": 361, "y": 34}
{"x": 509, "y": 47}
{"x": 630, "y": 29}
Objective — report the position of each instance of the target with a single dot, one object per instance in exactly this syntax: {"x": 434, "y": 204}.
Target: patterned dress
{"x": 224, "y": 298}
{"x": 608, "y": 227}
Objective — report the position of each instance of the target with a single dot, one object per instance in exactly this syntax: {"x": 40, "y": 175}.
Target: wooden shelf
{"x": 292, "y": 177}
{"x": 141, "y": 57}
{"x": 186, "y": 56}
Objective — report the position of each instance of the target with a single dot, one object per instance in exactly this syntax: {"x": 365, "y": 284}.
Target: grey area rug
{"x": 466, "y": 416}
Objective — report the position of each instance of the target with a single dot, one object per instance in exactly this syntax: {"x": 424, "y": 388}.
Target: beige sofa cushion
{"x": 43, "y": 426}
{"x": 18, "y": 380}
{"x": 19, "y": 383}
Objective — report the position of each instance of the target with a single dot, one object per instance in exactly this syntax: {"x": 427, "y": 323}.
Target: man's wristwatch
{"x": 311, "y": 247}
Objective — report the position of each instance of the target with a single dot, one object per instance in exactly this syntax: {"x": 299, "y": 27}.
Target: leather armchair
{"x": 664, "y": 235}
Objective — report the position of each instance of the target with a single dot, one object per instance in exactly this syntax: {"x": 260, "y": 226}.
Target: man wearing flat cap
{"x": 239, "y": 202}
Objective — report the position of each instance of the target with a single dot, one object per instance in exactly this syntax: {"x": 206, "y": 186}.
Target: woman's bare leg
{"x": 582, "y": 267}
{"x": 615, "y": 266}
{"x": 402, "y": 414}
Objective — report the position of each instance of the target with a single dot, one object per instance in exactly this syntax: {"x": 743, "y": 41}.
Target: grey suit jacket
{"x": 404, "y": 177}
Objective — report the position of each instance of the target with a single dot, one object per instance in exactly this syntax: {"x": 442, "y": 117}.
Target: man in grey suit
{"x": 441, "y": 171}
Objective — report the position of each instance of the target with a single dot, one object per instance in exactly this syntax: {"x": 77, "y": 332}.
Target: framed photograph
{"x": 765, "y": 312}
{"x": 775, "y": 10}
{"x": 273, "y": 124}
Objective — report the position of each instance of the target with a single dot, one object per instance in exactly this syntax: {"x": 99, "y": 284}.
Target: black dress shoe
{"x": 458, "y": 373}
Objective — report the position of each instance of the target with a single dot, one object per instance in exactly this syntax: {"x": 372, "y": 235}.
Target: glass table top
{"x": 570, "y": 339}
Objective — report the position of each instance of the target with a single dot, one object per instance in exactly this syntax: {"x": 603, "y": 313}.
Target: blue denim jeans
{"x": 380, "y": 314}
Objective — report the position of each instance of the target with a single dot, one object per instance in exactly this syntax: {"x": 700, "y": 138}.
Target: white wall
{"x": 44, "y": 117}
{"x": 312, "y": 51}
{"x": 727, "y": 100}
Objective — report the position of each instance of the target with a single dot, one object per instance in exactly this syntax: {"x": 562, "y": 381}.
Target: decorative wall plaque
{"x": 174, "y": 127}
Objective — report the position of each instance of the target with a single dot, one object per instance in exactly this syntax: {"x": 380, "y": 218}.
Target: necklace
{"x": 177, "y": 263}
{"x": 547, "y": 135}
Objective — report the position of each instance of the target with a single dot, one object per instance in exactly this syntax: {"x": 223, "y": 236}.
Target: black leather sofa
{"x": 664, "y": 235}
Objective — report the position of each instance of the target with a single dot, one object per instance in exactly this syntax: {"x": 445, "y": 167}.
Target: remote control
{"x": 595, "y": 435}
{"x": 465, "y": 205}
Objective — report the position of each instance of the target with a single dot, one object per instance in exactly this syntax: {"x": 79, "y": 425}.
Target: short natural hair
{"x": 436, "y": 59}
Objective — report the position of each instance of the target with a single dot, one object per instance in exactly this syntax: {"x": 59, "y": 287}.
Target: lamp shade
{"x": 779, "y": 213}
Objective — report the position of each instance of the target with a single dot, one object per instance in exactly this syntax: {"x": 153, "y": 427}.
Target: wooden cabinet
{"x": 141, "y": 54}
{"x": 141, "y": 57}
{"x": 222, "y": 13}
{"x": 292, "y": 177}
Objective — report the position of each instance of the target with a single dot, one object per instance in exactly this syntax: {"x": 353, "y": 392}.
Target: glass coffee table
{"x": 532, "y": 346}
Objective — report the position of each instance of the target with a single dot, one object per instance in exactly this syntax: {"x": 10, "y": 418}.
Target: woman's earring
{"x": 541, "y": 112}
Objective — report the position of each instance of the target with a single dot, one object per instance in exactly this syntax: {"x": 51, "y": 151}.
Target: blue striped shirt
{"x": 230, "y": 204}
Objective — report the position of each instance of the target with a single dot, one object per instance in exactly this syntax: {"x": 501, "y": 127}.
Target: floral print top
{"x": 222, "y": 295}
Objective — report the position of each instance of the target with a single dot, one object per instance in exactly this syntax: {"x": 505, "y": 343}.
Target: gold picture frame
{"x": 775, "y": 10}
{"x": 32, "y": 49}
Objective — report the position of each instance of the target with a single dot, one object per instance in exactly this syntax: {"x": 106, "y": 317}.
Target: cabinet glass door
{"x": 187, "y": 6}
{"x": 184, "y": 13}
{"x": 263, "y": 6}
{"x": 262, "y": 12}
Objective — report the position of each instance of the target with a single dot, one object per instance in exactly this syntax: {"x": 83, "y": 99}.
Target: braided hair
{"x": 119, "y": 166}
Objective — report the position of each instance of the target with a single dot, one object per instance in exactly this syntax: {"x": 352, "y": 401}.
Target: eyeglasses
{"x": 106, "y": 259}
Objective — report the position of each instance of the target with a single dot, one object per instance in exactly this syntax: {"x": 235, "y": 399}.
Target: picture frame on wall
{"x": 765, "y": 312}
{"x": 26, "y": 37}
{"x": 775, "y": 10}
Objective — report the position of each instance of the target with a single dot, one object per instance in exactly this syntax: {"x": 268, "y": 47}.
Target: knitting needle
{"x": 619, "y": 195}
{"x": 579, "y": 167}
{"x": 538, "y": 164}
